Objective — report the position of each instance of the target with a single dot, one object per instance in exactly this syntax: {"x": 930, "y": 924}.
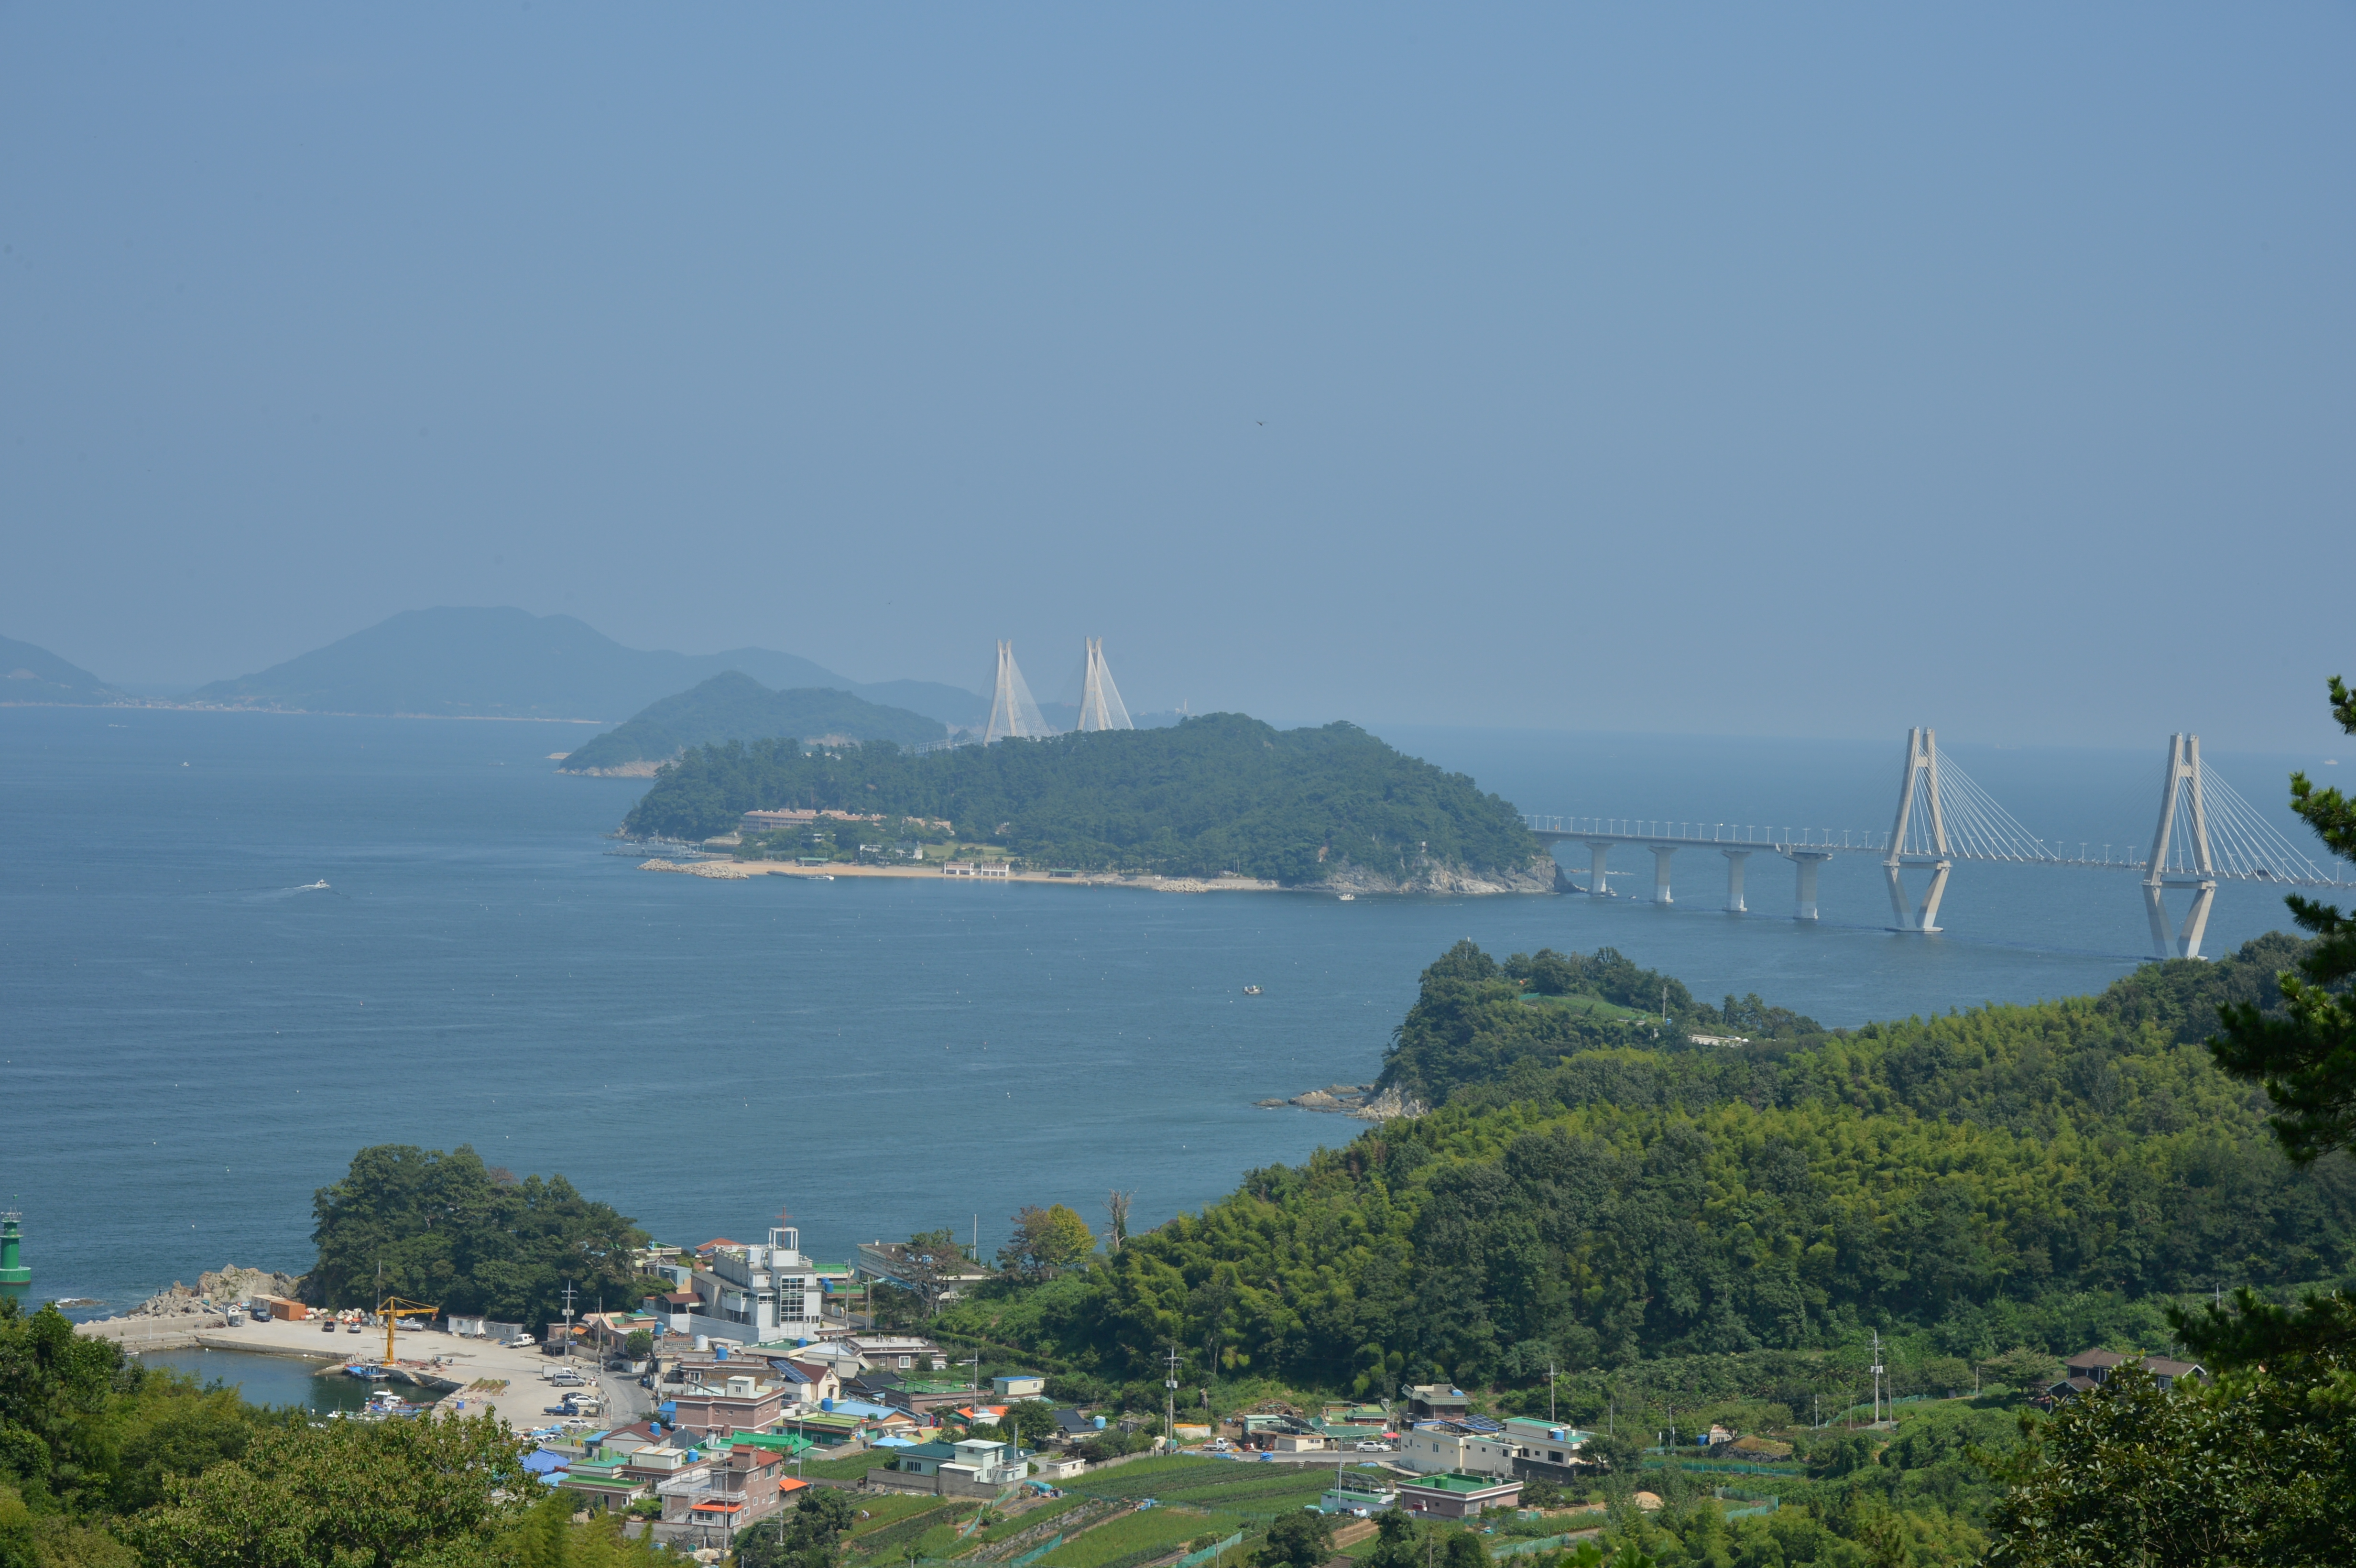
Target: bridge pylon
{"x": 1919, "y": 835}
{"x": 2184, "y": 830}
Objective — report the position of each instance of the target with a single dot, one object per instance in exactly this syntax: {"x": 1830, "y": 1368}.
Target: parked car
{"x": 519, "y": 1342}
{"x": 1373, "y": 1447}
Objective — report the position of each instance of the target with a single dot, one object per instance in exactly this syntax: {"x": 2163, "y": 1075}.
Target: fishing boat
{"x": 320, "y": 886}
{"x": 1251, "y": 990}
{"x": 1349, "y": 898}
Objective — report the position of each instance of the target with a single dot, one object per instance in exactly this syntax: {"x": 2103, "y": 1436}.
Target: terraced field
{"x": 1248, "y": 1492}
{"x": 1133, "y": 1538}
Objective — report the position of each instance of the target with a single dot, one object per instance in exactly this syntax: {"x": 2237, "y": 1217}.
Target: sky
{"x": 1791, "y": 370}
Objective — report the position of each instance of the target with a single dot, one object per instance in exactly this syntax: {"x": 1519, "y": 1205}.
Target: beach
{"x": 738, "y": 871}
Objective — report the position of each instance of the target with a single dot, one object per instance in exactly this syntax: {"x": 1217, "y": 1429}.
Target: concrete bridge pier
{"x": 1661, "y": 854}
{"x": 1809, "y": 863}
{"x": 1734, "y": 862}
{"x": 1596, "y": 886}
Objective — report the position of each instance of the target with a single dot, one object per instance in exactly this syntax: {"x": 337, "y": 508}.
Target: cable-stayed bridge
{"x": 2207, "y": 833}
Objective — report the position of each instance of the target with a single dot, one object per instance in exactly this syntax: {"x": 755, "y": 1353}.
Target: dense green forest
{"x": 1221, "y": 792}
{"x": 733, "y": 706}
{"x": 471, "y": 1238}
{"x": 1593, "y": 1195}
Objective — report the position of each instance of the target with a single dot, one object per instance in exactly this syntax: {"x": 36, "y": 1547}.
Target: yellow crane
{"x": 392, "y": 1310}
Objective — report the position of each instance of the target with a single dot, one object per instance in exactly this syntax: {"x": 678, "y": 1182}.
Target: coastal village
{"x": 706, "y": 1409}
{"x": 719, "y": 1403}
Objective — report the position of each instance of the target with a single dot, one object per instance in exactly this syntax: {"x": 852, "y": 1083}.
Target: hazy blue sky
{"x": 1796, "y": 369}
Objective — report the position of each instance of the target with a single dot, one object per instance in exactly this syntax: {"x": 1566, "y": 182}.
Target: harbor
{"x": 434, "y": 1370}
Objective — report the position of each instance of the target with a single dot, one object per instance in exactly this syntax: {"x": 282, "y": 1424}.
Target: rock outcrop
{"x": 214, "y": 1291}
{"x": 1357, "y": 1100}
{"x": 1542, "y": 874}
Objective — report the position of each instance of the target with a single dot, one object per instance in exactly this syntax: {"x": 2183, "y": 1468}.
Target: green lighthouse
{"x": 12, "y": 1270}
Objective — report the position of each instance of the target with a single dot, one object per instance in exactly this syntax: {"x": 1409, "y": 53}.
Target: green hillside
{"x": 1221, "y": 792}
{"x": 1593, "y": 1195}
{"x": 733, "y": 706}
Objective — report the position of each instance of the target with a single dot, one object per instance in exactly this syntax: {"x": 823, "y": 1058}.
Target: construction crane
{"x": 392, "y": 1310}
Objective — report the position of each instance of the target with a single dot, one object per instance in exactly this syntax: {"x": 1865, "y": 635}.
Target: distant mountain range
{"x": 28, "y": 674}
{"x": 733, "y": 706}
{"x": 510, "y": 664}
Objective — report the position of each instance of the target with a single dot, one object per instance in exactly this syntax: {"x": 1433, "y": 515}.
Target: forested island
{"x": 1219, "y": 794}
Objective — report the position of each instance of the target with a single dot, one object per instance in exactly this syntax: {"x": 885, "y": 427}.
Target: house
{"x": 602, "y": 1485}
{"x": 1071, "y": 1426}
{"x": 1437, "y": 1402}
{"x": 976, "y": 1460}
{"x": 1546, "y": 1450}
{"x": 2095, "y": 1366}
{"x": 834, "y": 1354}
{"x": 675, "y": 1310}
{"x": 707, "y": 1508}
{"x": 2090, "y": 1370}
{"x": 740, "y": 1404}
{"x": 918, "y": 1397}
{"x": 1458, "y": 1496}
{"x": 897, "y": 1352}
{"x": 1017, "y": 1385}
{"x": 629, "y": 1439}
{"x": 1468, "y": 1444}
{"x": 805, "y": 1383}
{"x": 1715, "y": 1435}
{"x": 2166, "y": 1369}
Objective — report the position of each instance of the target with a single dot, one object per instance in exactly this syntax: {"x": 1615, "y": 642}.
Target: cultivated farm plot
{"x": 889, "y": 1508}
{"x": 932, "y": 1524}
{"x": 1134, "y": 1537}
{"x": 1224, "y": 1486}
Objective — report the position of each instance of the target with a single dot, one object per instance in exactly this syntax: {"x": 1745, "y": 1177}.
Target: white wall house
{"x": 758, "y": 1295}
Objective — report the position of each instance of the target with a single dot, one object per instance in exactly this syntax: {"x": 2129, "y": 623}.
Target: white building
{"x": 760, "y": 1295}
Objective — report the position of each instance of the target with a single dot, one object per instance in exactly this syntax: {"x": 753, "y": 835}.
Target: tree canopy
{"x": 449, "y": 1230}
{"x": 1591, "y": 1200}
{"x": 1221, "y": 792}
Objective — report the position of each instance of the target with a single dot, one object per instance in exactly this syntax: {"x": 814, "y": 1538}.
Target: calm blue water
{"x": 192, "y": 1044}
{"x": 268, "y": 1380}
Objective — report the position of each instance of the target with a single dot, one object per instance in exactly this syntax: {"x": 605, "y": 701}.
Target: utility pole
{"x": 1876, "y": 1377}
{"x": 568, "y": 1317}
{"x": 1170, "y": 1399}
{"x": 1549, "y": 1393}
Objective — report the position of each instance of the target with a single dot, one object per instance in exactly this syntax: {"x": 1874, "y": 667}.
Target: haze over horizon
{"x": 1817, "y": 373}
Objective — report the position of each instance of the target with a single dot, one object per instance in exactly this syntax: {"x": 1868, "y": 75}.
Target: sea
{"x": 196, "y": 1035}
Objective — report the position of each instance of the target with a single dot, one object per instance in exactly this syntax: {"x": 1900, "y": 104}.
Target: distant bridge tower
{"x": 1101, "y": 704}
{"x": 2179, "y": 853}
{"x": 1012, "y": 711}
{"x": 1919, "y": 837}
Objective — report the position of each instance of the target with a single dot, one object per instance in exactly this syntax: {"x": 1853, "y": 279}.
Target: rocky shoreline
{"x": 1358, "y": 1100}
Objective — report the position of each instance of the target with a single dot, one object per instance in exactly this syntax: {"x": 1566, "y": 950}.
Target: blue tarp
{"x": 541, "y": 1461}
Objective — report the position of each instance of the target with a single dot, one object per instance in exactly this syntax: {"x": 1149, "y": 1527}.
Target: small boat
{"x": 320, "y": 886}
{"x": 1251, "y": 990}
{"x": 1349, "y": 898}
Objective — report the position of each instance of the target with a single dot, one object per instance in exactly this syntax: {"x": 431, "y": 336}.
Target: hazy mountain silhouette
{"x": 29, "y": 674}
{"x": 733, "y": 706}
{"x": 510, "y": 664}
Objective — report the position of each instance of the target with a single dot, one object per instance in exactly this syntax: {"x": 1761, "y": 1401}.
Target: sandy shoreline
{"x": 518, "y": 1392}
{"x": 740, "y": 870}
